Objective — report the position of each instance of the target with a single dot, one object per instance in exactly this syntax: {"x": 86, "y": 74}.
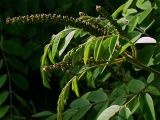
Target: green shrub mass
{"x": 79, "y": 60}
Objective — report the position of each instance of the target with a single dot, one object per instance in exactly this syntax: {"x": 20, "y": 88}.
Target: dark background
{"x": 22, "y": 47}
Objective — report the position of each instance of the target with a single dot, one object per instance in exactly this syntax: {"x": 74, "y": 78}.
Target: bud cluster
{"x": 95, "y": 29}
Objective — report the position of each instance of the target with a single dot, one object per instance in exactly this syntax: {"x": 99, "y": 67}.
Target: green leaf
{"x": 49, "y": 52}
{"x": 3, "y": 79}
{"x": 18, "y": 64}
{"x": 128, "y": 3}
{"x": 78, "y": 103}
{"x": 51, "y": 117}
{"x": 1, "y": 63}
{"x": 113, "y": 44}
{"x": 77, "y": 55}
{"x": 109, "y": 112}
{"x": 134, "y": 36}
{"x": 146, "y": 53}
{"x": 3, "y": 110}
{"x": 118, "y": 92}
{"x": 125, "y": 114}
{"x": 20, "y": 81}
{"x": 45, "y": 79}
{"x": 63, "y": 99}
{"x": 96, "y": 47}
{"x": 130, "y": 11}
{"x": 119, "y": 101}
{"x": 68, "y": 39}
{"x": 22, "y": 101}
{"x": 117, "y": 11}
{"x": 3, "y": 97}
{"x": 153, "y": 90}
{"x": 67, "y": 115}
{"x": 133, "y": 23}
{"x": 150, "y": 78}
{"x": 81, "y": 112}
{"x": 14, "y": 48}
{"x": 135, "y": 86}
{"x": 86, "y": 52}
{"x": 134, "y": 105}
{"x": 106, "y": 43}
{"x": 143, "y": 4}
{"x": 90, "y": 81}
{"x": 98, "y": 51}
{"x": 147, "y": 106}
{"x": 75, "y": 86}
{"x": 157, "y": 59}
{"x": 56, "y": 40}
{"x": 42, "y": 114}
{"x": 144, "y": 14}
{"x": 97, "y": 96}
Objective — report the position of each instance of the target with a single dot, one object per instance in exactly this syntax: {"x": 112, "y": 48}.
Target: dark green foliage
{"x": 96, "y": 58}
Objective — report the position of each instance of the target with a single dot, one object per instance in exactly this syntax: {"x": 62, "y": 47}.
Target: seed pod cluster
{"x": 58, "y": 19}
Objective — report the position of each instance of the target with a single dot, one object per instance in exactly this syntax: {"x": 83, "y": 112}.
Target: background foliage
{"x": 22, "y": 94}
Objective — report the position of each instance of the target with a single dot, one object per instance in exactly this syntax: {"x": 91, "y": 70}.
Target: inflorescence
{"x": 67, "y": 65}
{"x": 95, "y": 29}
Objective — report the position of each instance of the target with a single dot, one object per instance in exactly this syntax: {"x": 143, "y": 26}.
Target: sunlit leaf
{"x": 128, "y": 3}
{"x": 86, "y": 52}
{"x": 144, "y": 14}
{"x": 62, "y": 100}
{"x": 143, "y": 4}
{"x": 96, "y": 47}
{"x": 78, "y": 55}
{"x": 117, "y": 12}
{"x": 133, "y": 23}
{"x": 97, "y": 52}
{"x": 112, "y": 45}
{"x": 56, "y": 40}
{"x": 67, "y": 40}
{"x": 130, "y": 11}
{"x": 147, "y": 106}
{"x": 50, "y": 56}
{"x": 75, "y": 85}
{"x": 90, "y": 81}
{"x": 109, "y": 112}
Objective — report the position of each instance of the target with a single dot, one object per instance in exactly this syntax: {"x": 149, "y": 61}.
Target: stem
{"x": 140, "y": 64}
